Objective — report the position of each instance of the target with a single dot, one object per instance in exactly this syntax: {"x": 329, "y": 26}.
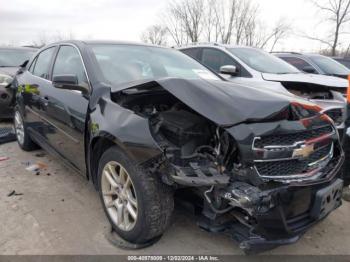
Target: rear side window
{"x": 193, "y": 52}
{"x": 43, "y": 61}
{"x": 297, "y": 62}
{"x": 68, "y": 62}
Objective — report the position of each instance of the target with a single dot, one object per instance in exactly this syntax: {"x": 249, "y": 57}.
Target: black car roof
{"x": 103, "y": 42}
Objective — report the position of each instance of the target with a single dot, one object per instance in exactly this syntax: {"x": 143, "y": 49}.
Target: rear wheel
{"x": 137, "y": 204}
{"x": 23, "y": 138}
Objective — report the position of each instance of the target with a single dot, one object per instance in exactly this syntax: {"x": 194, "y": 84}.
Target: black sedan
{"x": 144, "y": 123}
{"x": 11, "y": 58}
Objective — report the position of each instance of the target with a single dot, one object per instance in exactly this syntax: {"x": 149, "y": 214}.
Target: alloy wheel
{"x": 119, "y": 196}
{"x": 19, "y": 128}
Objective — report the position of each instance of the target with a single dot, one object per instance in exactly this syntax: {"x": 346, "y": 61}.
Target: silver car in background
{"x": 315, "y": 64}
{"x": 257, "y": 68}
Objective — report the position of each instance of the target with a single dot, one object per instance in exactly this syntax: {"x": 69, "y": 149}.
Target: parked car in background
{"x": 10, "y": 60}
{"x": 315, "y": 64}
{"x": 142, "y": 122}
{"x": 343, "y": 60}
{"x": 255, "y": 67}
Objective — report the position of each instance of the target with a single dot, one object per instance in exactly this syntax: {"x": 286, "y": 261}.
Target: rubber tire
{"x": 155, "y": 200}
{"x": 28, "y": 144}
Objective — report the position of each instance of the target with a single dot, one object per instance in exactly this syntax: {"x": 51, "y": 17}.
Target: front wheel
{"x": 23, "y": 138}
{"x": 137, "y": 204}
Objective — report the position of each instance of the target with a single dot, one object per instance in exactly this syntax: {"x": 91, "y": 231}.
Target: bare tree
{"x": 189, "y": 14}
{"x": 211, "y": 22}
{"x": 44, "y": 38}
{"x": 225, "y": 21}
{"x": 233, "y": 19}
{"x": 278, "y": 32}
{"x": 174, "y": 26}
{"x": 156, "y": 34}
{"x": 338, "y": 14}
{"x": 225, "y": 12}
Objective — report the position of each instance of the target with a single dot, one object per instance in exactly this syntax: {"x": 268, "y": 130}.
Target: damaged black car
{"x": 148, "y": 124}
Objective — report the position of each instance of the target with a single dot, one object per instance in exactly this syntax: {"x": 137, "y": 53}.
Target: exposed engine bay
{"x": 215, "y": 167}
{"x": 312, "y": 91}
{"x": 187, "y": 138}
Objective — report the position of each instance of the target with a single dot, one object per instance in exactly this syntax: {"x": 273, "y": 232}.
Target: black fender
{"x": 118, "y": 126}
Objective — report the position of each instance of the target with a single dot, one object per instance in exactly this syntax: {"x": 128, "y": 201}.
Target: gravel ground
{"x": 60, "y": 213}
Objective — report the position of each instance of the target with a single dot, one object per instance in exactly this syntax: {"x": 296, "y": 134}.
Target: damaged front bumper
{"x": 298, "y": 210}
{"x": 276, "y": 213}
{"x": 294, "y": 211}
{"x": 280, "y": 216}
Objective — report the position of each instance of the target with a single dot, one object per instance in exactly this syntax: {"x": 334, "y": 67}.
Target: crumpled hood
{"x": 11, "y": 71}
{"x": 321, "y": 80}
{"x": 224, "y": 103}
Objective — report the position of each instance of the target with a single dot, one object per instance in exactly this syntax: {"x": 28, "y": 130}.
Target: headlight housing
{"x": 5, "y": 80}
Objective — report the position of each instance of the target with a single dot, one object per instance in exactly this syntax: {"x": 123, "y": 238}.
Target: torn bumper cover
{"x": 262, "y": 219}
{"x": 283, "y": 215}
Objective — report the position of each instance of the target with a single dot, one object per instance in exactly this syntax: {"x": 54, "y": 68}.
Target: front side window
{"x": 68, "y": 62}
{"x": 127, "y": 63}
{"x": 43, "y": 61}
{"x": 214, "y": 59}
{"x": 262, "y": 61}
{"x": 301, "y": 64}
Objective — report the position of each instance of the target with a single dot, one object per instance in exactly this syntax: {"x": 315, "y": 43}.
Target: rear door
{"x": 35, "y": 86}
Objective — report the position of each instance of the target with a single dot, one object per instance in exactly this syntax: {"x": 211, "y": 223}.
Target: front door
{"x": 67, "y": 109}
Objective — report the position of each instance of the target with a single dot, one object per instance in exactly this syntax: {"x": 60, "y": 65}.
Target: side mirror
{"x": 309, "y": 69}
{"x": 68, "y": 82}
{"x": 229, "y": 70}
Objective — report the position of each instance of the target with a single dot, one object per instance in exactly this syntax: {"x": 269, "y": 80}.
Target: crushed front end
{"x": 262, "y": 183}
{"x": 262, "y": 171}
{"x": 293, "y": 171}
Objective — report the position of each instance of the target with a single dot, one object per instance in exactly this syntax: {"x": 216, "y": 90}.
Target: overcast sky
{"x": 27, "y": 21}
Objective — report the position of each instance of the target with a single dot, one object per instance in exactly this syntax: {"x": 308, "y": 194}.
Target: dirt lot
{"x": 60, "y": 213}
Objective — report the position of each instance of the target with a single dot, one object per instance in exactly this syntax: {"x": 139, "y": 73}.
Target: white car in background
{"x": 257, "y": 68}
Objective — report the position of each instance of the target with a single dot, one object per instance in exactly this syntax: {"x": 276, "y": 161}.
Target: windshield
{"x": 14, "y": 58}
{"x": 127, "y": 63}
{"x": 262, "y": 61}
{"x": 329, "y": 66}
